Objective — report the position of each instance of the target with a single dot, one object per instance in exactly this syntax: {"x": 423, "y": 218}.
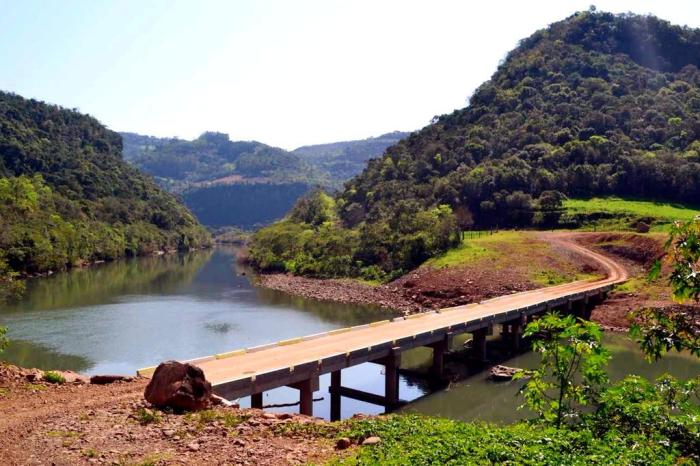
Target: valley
{"x": 515, "y": 282}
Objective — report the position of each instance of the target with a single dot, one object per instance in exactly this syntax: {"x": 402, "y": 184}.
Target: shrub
{"x": 54, "y": 377}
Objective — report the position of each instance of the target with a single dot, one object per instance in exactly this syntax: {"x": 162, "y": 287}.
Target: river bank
{"x": 434, "y": 287}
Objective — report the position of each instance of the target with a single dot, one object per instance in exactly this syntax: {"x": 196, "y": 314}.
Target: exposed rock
{"x": 73, "y": 377}
{"x": 343, "y": 443}
{"x": 107, "y": 379}
{"x": 371, "y": 441}
{"x": 503, "y": 373}
{"x": 194, "y": 446}
{"x": 217, "y": 400}
{"x": 179, "y": 386}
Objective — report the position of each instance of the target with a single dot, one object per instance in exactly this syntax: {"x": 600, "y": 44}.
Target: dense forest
{"x": 246, "y": 183}
{"x": 67, "y": 197}
{"x": 179, "y": 164}
{"x": 597, "y": 104}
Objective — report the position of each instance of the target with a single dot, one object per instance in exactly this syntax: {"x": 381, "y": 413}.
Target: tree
{"x": 661, "y": 330}
{"x": 572, "y": 367}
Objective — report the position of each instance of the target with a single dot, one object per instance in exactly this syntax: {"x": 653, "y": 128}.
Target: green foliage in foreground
{"x": 661, "y": 330}
{"x": 418, "y": 440}
{"x": 571, "y": 371}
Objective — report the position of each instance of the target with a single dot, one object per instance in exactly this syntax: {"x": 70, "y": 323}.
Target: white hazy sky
{"x": 286, "y": 73}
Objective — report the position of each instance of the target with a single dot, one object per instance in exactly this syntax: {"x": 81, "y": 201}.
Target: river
{"x": 120, "y": 316}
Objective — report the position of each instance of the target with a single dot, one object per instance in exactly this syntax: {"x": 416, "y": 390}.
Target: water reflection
{"x": 478, "y": 398}
{"x": 28, "y": 354}
{"x": 120, "y": 316}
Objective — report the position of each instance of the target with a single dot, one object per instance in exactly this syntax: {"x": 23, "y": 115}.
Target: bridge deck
{"x": 253, "y": 370}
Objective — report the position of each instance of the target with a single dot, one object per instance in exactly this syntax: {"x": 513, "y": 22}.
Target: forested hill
{"x": 343, "y": 160}
{"x": 66, "y": 195}
{"x": 597, "y": 104}
{"x": 247, "y": 183}
{"x": 180, "y": 164}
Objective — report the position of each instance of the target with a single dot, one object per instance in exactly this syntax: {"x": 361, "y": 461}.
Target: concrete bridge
{"x": 300, "y": 361}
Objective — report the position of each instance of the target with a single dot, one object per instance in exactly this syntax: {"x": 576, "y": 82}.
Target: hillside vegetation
{"x": 343, "y": 160}
{"x": 67, "y": 197}
{"x": 613, "y": 213}
{"x": 595, "y": 105}
{"x": 247, "y": 183}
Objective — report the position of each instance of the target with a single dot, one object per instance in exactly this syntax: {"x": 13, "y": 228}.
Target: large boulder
{"x": 179, "y": 386}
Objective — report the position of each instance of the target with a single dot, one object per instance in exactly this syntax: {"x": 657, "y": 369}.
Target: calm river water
{"x": 118, "y": 317}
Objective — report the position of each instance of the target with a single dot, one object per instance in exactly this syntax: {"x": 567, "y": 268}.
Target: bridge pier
{"x": 439, "y": 349}
{"x": 306, "y": 395}
{"x": 391, "y": 379}
{"x": 390, "y": 400}
{"x": 516, "y": 330}
{"x": 335, "y": 395}
{"x": 479, "y": 343}
{"x": 256, "y": 400}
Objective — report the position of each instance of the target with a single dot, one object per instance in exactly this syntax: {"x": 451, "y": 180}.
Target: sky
{"x": 286, "y": 73}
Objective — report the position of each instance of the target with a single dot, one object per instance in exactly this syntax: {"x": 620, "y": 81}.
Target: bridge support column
{"x": 516, "y": 331}
{"x": 479, "y": 346}
{"x": 505, "y": 331}
{"x": 391, "y": 380}
{"x": 588, "y": 310}
{"x": 256, "y": 400}
{"x": 306, "y": 395}
{"x": 306, "y": 398}
{"x": 439, "y": 350}
{"x": 335, "y": 395}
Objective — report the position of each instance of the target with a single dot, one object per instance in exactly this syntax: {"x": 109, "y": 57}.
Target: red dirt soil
{"x": 43, "y": 424}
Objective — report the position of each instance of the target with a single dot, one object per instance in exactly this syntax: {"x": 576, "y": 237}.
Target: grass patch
{"x": 63, "y": 433}
{"x": 550, "y": 278}
{"x": 474, "y": 247}
{"x": 227, "y": 418}
{"x": 624, "y": 212}
{"x": 146, "y": 416}
{"x": 632, "y": 285}
{"x": 54, "y": 377}
{"x": 412, "y": 439}
{"x": 90, "y": 453}
{"x": 34, "y": 387}
{"x": 4, "y": 392}
{"x": 153, "y": 459}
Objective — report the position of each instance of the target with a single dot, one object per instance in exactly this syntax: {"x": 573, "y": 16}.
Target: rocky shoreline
{"x": 341, "y": 291}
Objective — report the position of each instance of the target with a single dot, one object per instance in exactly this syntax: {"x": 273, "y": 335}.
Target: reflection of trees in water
{"x": 346, "y": 314}
{"x": 99, "y": 283}
{"x": 27, "y": 354}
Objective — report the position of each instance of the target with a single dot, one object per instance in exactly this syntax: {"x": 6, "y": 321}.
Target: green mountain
{"x": 343, "y": 160}
{"x": 246, "y": 183}
{"x": 67, "y": 197}
{"x": 597, "y": 104}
